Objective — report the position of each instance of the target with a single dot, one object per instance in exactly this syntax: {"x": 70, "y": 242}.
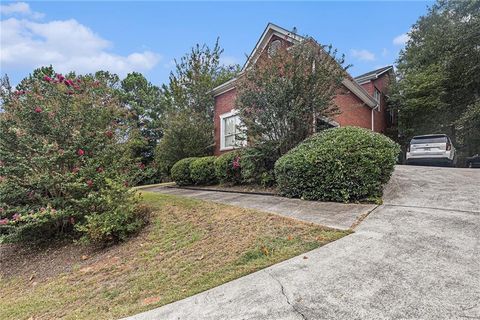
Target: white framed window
{"x": 377, "y": 96}
{"x": 273, "y": 47}
{"x": 231, "y": 136}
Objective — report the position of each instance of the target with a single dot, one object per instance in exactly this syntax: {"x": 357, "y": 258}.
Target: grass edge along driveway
{"x": 189, "y": 246}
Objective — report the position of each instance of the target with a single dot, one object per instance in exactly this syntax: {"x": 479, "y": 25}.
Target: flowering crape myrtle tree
{"x": 283, "y": 94}
{"x": 62, "y": 164}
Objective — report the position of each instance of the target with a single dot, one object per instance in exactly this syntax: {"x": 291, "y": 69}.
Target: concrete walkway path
{"x": 415, "y": 257}
{"x": 330, "y": 214}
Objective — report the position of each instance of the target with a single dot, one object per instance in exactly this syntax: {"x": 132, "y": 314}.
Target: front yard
{"x": 189, "y": 246}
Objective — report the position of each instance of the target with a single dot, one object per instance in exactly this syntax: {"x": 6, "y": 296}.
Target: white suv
{"x": 431, "y": 149}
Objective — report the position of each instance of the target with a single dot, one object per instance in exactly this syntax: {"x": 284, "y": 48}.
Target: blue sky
{"x": 147, "y": 36}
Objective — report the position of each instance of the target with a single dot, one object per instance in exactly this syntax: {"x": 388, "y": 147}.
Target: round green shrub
{"x": 340, "y": 164}
{"x": 258, "y": 165}
{"x": 180, "y": 172}
{"x": 202, "y": 171}
{"x": 228, "y": 169}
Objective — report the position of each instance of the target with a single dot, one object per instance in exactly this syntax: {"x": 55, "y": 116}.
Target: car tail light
{"x": 449, "y": 146}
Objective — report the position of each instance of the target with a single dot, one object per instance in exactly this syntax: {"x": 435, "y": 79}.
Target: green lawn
{"x": 188, "y": 247}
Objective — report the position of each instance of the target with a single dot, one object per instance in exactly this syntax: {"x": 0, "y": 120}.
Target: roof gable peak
{"x": 270, "y": 30}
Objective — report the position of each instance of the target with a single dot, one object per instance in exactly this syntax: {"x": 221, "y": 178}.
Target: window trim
{"x": 222, "y": 131}
{"x": 379, "y": 100}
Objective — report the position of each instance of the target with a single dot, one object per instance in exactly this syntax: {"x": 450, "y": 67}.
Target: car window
{"x": 420, "y": 140}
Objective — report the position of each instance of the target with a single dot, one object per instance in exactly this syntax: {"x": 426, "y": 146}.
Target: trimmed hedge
{"x": 202, "y": 171}
{"x": 228, "y": 169}
{"x": 180, "y": 172}
{"x": 340, "y": 164}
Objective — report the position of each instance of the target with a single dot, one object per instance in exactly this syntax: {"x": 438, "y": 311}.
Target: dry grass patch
{"x": 189, "y": 246}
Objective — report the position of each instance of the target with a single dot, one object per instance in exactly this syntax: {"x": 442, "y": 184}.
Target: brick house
{"x": 361, "y": 100}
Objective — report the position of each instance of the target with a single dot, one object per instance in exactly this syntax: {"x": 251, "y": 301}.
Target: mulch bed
{"x": 253, "y": 189}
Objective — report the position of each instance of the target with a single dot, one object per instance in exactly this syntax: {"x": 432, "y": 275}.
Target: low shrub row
{"x": 198, "y": 171}
{"x": 341, "y": 164}
{"x": 202, "y": 171}
{"x": 249, "y": 165}
{"x": 228, "y": 168}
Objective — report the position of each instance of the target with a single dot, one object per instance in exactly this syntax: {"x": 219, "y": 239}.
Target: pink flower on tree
{"x": 89, "y": 183}
{"x": 38, "y": 109}
{"x": 141, "y": 166}
{"x": 75, "y": 169}
{"x": 99, "y": 169}
{"x": 236, "y": 163}
{"x": 47, "y": 78}
{"x": 4, "y": 221}
{"x": 16, "y": 217}
{"x": 60, "y": 77}
{"x": 80, "y": 152}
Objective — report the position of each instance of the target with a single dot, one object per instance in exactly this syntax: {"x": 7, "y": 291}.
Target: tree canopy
{"x": 438, "y": 84}
{"x": 282, "y": 95}
{"x": 189, "y": 122}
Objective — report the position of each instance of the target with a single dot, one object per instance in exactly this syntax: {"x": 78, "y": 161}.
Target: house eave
{"x": 360, "y": 92}
{"x": 224, "y": 87}
{"x": 354, "y": 87}
{"x": 271, "y": 29}
{"x": 365, "y": 79}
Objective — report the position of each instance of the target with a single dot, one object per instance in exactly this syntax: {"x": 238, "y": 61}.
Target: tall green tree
{"x": 146, "y": 104}
{"x": 190, "y": 105}
{"x": 195, "y": 74}
{"x": 280, "y": 98}
{"x": 438, "y": 82}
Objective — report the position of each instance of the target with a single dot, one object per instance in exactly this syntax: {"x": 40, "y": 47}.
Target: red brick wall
{"x": 223, "y": 103}
{"x": 380, "y": 117}
{"x": 353, "y": 112}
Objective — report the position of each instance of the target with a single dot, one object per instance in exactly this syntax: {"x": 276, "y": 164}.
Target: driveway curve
{"x": 415, "y": 257}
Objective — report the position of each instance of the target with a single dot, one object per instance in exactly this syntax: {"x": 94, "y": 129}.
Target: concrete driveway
{"x": 415, "y": 257}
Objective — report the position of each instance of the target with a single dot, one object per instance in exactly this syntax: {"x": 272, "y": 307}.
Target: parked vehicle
{"x": 473, "y": 161}
{"x": 432, "y": 149}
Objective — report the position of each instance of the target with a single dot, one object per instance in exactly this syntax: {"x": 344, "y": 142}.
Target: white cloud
{"x": 384, "y": 52}
{"x": 20, "y": 8}
{"x": 67, "y": 45}
{"x": 401, "y": 40}
{"x": 363, "y": 55}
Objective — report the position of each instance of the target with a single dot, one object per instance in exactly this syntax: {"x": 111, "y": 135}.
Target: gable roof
{"x": 271, "y": 30}
{"x": 372, "y": 75}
